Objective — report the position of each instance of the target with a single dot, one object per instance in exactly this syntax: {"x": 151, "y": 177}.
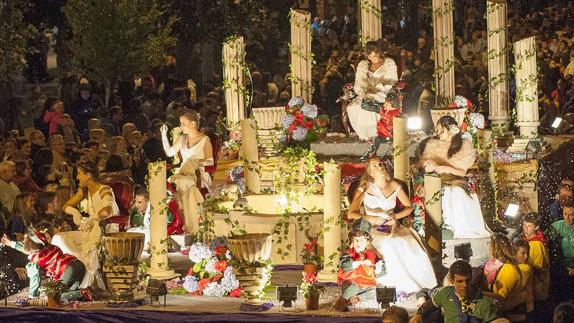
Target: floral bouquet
{"x": 309, "y": 285}
{"x": 348, "y": 93}
{"x": 309, "y": 253}
{"x": 236, "y": 176}
{"x": 211, "y": 273}
{"x": 302, "y": 124}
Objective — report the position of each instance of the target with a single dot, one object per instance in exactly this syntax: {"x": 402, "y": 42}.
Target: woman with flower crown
{"x": 451, "y": 156}
{"x": 374, "y": 79}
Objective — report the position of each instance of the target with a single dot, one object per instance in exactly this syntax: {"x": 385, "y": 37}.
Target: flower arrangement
{"x": 211, "y": 274}
{"x": 458, "y": 103}
{"x": 309, "y": 287}
{"x": 302, "y": 124}
{"x": 232, "y": 145}
{"x": 348, "y": 93}
{"x": 310, "y": 254}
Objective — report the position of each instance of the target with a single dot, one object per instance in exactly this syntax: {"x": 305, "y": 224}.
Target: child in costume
{"x": 357, "y": 266}
{"x": 47, "y": 258}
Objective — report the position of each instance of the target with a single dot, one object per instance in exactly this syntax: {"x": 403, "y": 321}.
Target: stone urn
{"x": 251, "y": 247}
{"x": 457, "y": 114}
{"x": 253, "y": 251}
{"x": 124, "y": 248}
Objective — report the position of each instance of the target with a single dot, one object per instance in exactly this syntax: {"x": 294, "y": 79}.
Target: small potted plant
{"x": 311, "y": 291}
{"x": 53, "y": 290}
{"x": 233, "y": 146}
{"x": 310, "y": 257}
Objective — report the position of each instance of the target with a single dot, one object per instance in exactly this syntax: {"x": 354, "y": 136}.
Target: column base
{"x": 327, "y": 276}
{"x": 162, "y": 273}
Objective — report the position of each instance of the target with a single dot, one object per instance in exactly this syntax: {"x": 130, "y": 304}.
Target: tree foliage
{"x": 14, "y": 36}
{"x": 118, "y": 39}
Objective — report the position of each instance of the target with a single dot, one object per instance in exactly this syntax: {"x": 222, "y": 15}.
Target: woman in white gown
{"x": 84, "y": 244}
{"x": 374, "y": 78}
{"x": 450, "y": 155}
{"x": 196, "y": 152}
{"x": 407, "y": 265}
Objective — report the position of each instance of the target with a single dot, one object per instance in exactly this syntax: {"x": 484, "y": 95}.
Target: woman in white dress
{"x": 196, "y": 152}
{"x": 374, "y": 78}
{"x": 407, "y": 265}
{"x": 84, "y": 244}
{"x": 450, "y": 155}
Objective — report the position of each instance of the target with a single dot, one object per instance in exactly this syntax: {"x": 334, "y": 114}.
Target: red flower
{"x": 310, "y": 278}
{"x": 468, "y": 103}
{"x": 309, "y": 124}
{"x": 220, "y": 265}
{"x": 299, "y": 116}
{"x": 464, "y": 126}
{"x": 401, "y": 85}
{"x": 236, "y": 292}
{"x": 221, "y": 250}
{"x": 311, "y": 245}
{"x": 292, "y": 127}
{"x": 202, "y": 284}
{"x": 451, "y": 105}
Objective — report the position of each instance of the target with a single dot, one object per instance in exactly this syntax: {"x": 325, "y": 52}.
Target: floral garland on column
{"x": 446, "y": 9}
{"x": 233, "y": 83}
{"x": 367, "y": 7}
{"x": 298, "y": 51}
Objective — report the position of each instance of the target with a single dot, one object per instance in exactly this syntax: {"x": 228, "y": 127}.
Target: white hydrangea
{"x": 299, "y": 134}
{"x": 210, "y": 266}
{"x": 214, "y": 289}
{"x": 287, "y": 120}
{"x": 228, "y": 255}
{"x": 296, "y": 101}
{"x": 460, "y": 101}
{"x": 199, "y": 251}
{"x": 229, "y": 281}
{"x": 467, "y": 136}
{"x": 477, "y": 120}
{"x": 310, "y": 110}
{"x": 190, "y": 284}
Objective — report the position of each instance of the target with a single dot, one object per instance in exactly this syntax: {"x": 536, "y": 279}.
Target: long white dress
{"x": 370, "y": 86}
{"x": 84, "y": 243}
{"x": 196, "y": 153}
{"x": 407, "y": 265}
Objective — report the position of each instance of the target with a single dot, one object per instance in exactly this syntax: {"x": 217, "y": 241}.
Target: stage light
{"x": 287, "y": 295}
{"x": 386, "y": 296}
{"x": 556, "y": 123}
{"x": 463, "y": 251}
{"x": 511, "y": 210}
{"x": 414, "y": 123}
{"x": 155, "y": 289}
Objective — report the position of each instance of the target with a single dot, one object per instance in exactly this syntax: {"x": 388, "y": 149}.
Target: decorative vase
{"x": 457, "y": 114}
{"x": 252, "y": 280}
{"x": 310, "y": 268}
{"x": 124, "y": 248}
{"x": 54, "y": 301}
{"x": 251, "y": 247}
{"x": 312, "y": 302}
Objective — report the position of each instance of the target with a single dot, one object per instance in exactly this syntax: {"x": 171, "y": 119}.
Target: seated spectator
{"x": 140, "y": 215}
{"x": 459, "y": 302}
{"x": 8, "y": 189}
{"x": 23, "y": 178}
{"x": 23, "y": 216}
{"x": 562, "y": 233}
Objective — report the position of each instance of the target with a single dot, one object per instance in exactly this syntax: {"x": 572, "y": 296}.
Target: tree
{"x": 118, "y": 39}
{"x": 14, "y": 37}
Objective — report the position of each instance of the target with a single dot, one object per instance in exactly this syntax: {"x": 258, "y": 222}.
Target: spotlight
{"x": 414, "y": 123}
{"x": 511, "y": 210}
{"x": 386, "y": 296}
{"x": 463, "y": 251}
{"x": 556, "y": 123}
{"x": 155, "y": 289}
{"x": 287, "y": 295}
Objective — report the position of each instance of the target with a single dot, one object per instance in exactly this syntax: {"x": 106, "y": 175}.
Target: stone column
{"x": 400, "y": 148}
{"x": 251, "y": 156}
{"x": 331, "y": 225}
{"x": 443, "y": 49}
{"x": 526, "y": 87}
{"x": 301, "y": 56}
{"x": 371, "y": 20}
{"x": 234, "y": 79}
{"x": 159, "y": 268}
{"x": 497, "y": 65}
{"x": 433, "y": 220}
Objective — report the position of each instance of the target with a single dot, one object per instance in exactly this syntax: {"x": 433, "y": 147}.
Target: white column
{"x": 497, "y": 65}
{"x": 301, "y": 56}
{"x": 251, "y": 156}
{"x": 371, "y": 20}
{"x": 331, "y": 226}
{"x": 234, "y": 79}
{"x": 159, "y": 268}
{"x": 443, "y": 49}
{"x": 400, "y": 149}
{"x": 526, "y": 87}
